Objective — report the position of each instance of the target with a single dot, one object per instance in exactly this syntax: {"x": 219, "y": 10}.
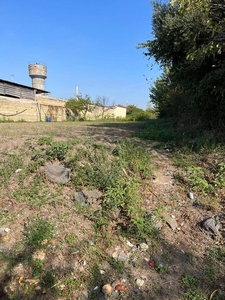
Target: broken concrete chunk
{"x": 94, "y": 194}
{"x": 57, "y": 174}
{"x": 171, "y": 222}
{"x": 211, "y": 224}
{"x": 80, "y": 198}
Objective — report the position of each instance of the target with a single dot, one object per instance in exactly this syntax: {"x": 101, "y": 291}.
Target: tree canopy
{"x": 80, "y": 105}
{"x": 189, "y": 44}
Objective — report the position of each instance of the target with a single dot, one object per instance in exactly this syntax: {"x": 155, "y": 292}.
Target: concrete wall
{"x": 49, "y": 107}
{"x": 53, "y": 108}
{"x": 108, "y": 112}
{"x": 18, "y": 109}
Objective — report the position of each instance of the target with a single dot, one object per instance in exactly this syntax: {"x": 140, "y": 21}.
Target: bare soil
{"x": 181, "y": 251}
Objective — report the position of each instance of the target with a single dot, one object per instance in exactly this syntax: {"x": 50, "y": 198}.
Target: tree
{"x": 189, "y": 44}
{"x": 80, "y": 105}
{"x": 135, "y": 114}
{"x": 102, "y": 103}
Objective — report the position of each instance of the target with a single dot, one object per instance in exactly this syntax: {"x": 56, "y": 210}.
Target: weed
{"x": 58, "y": 150}
{"x": 9, "y": 165}
{"x": 142, "y": 229}
{"x": 197, "y": 181}
{"x": 44, "y": 140}
{"x": 37, "y": 267}
{"x": 190, "y": 284}
{"x": 38, "y": 233}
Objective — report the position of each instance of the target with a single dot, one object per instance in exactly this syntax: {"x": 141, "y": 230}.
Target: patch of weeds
{"x": 136, "y": 158}
{"x": 48, "y": 279}
{"x": 44, "y": 140}
{"x": 9, "y": 165}
{"x": 71, "y": 283}
{"x": 197, "y": 180}
{"x": 70, "y": 239}
{"x": 5, "y": 217}
{"x": 38, "y": 232}
{"x": 190, "y": 285}
{"x": 220, "y": 176}
{"x": 119, "y": 266}
{"x": 95, "y": 279}
{"x": 142, "y": 229}
{"x": 123, "y": 195}
{"x": 39, "y": 157}
{"x": 208, "y": 202}
{"x": 58, "y": 150}
{"x": 35, "y": 194}
{"x": 37, "y": 267}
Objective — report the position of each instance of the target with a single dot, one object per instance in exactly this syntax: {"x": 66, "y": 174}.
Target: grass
{"x": 75, "y": 240}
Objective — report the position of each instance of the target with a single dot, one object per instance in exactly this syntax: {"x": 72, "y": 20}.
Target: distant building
{"x": 34, "y": 104}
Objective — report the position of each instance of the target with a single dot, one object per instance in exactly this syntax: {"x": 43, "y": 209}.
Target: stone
{"x": 57, "y": 174}
{"x": 80, "y": 198}
{"x": 143, "y": 247}
{"x": 211, "y": 224}
{"x": 122, "y": 256}
{"x": 107, "y": 289}
{"x": 191, "y": 196}
{"x": 140, "y": 282}
{"x": 171, "y": 222}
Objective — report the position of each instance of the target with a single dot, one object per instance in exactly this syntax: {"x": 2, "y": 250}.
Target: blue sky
{"x": 87, "y": 43}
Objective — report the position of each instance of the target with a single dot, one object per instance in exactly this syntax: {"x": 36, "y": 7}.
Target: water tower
{"x": 38, "y": 73}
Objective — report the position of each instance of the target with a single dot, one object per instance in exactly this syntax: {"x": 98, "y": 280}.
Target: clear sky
{"x": 87, "y": 43}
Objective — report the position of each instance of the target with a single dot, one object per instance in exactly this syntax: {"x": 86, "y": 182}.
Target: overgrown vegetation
{"x": 189, "y": 45}
{"x": 63, "y": 247}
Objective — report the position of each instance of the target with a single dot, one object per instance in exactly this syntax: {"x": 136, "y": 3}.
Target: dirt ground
{"x": 183, "y": 247}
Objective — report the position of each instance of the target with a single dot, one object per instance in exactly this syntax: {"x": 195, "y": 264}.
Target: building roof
{"x": 11, "y": 83}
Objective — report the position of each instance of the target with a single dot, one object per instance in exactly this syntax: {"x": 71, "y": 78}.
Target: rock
{"x": 171, "y": 222}
{"x": 57, "y": 174}
{"x": 107, "y": 289}
{"x": 88, "y": 198}
{"x": 122, "y": 256}
{"x": 93, "y": 194}
{"x": 211, "y": 224}
{"x": 155, "y": 221}
{"x": 140, "y": 282}
{"x": 80, "y": 198}
{"x": 191, "y": 196}
{"x": 143, "y": 247}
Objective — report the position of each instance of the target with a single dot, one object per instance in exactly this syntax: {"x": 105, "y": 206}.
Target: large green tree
{"x": 189, "y": 44}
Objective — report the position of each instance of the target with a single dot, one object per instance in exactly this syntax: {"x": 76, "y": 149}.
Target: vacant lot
{"x": 116, "y": 221}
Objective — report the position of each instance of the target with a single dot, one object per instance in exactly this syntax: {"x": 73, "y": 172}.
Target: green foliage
{"x": 191, "y": 286}
{"x": 9, "y": 164}
{"x": 38, "y": 232}
{"x": 197, "y": 180}
{"x": 189, "y": 45}
{"x": 58, "y": 150}
{"x": 79, "y": 106}
{"x": 135, "y": 114}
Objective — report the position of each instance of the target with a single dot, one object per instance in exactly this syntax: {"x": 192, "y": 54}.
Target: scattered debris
{"x": 121, "y": 288}
{"x": 107, "y": 289}
{"x": 143, "y": 247}
{"x": 191, "y": 196}
{"x": 140, "y": 282}
{"x": 211, "y": 224}
{"x": 171, "y": 222}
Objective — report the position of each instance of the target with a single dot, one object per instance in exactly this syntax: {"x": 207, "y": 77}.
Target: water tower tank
{"x": 38, "y": 73}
